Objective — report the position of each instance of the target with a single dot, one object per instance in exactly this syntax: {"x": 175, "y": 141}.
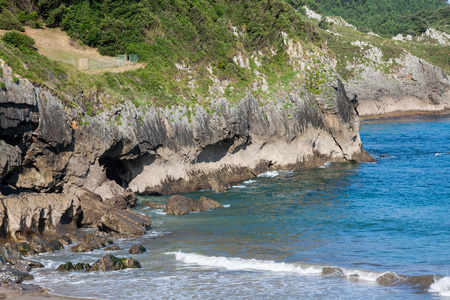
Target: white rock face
{"x": 241, "y": 61}
{"x": 441, "y": 38}
{"x": 398, "y": 37}
{"x": 360, "y": 44}
{"x": 414, "y": 87}
{"x": 312, "y": 14}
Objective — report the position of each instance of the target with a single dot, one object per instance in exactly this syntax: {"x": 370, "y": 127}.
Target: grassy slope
{"x": 161, "y": 83}
{"x": 345, "y": 52}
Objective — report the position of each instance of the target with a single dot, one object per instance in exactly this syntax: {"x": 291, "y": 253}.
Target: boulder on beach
{"x": 181, "y": 205}
{"x": 137, "y": 249}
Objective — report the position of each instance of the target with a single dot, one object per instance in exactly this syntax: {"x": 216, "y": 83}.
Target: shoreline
{"x": 10, "y": 293}
{"x": 399, "y": 114}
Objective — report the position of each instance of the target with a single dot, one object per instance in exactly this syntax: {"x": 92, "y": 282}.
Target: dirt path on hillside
{"x": 56, "y": 44}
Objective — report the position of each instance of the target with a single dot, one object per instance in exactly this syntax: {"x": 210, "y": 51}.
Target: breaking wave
{"x": 432, "y": 283}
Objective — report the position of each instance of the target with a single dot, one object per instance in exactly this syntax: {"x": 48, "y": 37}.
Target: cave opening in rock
{"x": 114, "y": 169}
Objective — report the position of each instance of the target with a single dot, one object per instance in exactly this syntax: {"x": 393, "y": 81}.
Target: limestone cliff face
{"x": 412, "y": 87}
{"x": 53, "y": 148}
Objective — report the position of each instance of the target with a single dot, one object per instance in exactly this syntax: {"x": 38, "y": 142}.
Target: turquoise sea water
{"x": 328, "y": 233}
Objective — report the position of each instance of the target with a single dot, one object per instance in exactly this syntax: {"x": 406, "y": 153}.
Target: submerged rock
{"x": 181, "y": 205}
{"x": 137, "y": 249}
{"x": 154, "y": 205}
{"x": 112, "y": 248}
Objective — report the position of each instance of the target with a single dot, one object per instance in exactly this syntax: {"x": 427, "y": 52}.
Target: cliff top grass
{"x": 188, "y": 47}
{"x": 194, "y": 50}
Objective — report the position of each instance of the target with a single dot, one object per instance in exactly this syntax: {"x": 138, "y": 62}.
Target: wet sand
{"x": 7, "y": 293}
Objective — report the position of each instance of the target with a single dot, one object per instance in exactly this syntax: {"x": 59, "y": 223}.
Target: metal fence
{"x": 95, "y": 64}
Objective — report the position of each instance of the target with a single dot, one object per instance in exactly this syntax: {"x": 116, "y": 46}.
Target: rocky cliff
{"x": 383, "y": 77}
{"x": 49, "y": 147}
{"x": 412, "y": 87}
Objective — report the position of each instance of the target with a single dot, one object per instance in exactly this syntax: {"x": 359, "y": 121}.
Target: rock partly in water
{"x": 113, "y": 248}
{"x": 91, "y": 242}
{"x": 181, "y": 205}
{"x": 108, "y": 218}
{"x": 110, "y": 263}
{"x": 68, "y": 266}
{"x": 107, "y": 263}
{"x": 207, "y": 203}
{"x": 9, "y": 254}
{"x": 7, "y": 273}
{"x": 155, "y": 205}
{"x": 137, "y": 249}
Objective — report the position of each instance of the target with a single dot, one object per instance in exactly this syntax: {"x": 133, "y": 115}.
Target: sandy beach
{"x": 7, "y": 293}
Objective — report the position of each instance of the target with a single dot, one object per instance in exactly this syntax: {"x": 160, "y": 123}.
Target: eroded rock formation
{"x": 415, "y": 87}
{"x": 57, "y": 148}
{"x": 181, "y": 205}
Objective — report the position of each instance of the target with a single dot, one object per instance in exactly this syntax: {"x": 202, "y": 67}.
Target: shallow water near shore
{"x": 332, "y": 232}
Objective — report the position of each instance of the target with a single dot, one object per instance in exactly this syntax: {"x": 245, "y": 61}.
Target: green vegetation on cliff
{"x": 390, "y": 17}
{"x": 201, "y": 33}
{"x": 198, "y": 50}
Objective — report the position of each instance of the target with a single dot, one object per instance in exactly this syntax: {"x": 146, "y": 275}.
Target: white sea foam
{"x": 325, "y": 165}
{"x": 250, "y": 181}
{"x": 361, "y": 274}
{"x": 160, "y": 212}
{"x": 226, "y": 205}
{"x": 269, "y": 174}
{"x": 441, "y": 286}
{"x": 239, "y": 187}
{"x": 231, "y": 263}
{"x": 443, "y": 153}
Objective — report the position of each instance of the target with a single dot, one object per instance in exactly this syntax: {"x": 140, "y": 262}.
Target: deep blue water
{"x": 279, "y": 231}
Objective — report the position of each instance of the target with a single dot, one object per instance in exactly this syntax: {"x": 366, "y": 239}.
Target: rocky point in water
{"x": 137, "y": 249}
{"x": 107, "y": 263}
{"x": 180, "y": 205}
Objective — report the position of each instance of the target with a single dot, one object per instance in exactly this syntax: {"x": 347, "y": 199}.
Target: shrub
{"x": 9, "y": 21}
{"x": 16, "y": 80}
{"x": 324, "y": 24}
{"x": 21, "y": 41}
{"x": 2, "y": 85}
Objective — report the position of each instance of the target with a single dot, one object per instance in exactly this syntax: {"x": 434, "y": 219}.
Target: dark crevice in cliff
{"x": 214, "y": 152}
{"x": 123, "y": 171}
{"x": 114, "y": 169}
